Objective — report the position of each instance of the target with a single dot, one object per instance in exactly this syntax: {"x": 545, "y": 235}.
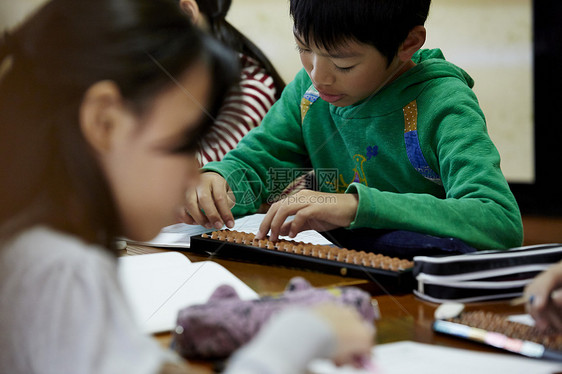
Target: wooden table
{"x": 403, "y": 317}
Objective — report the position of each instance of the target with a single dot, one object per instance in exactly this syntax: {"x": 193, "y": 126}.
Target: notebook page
{"x": 158, "y": 285}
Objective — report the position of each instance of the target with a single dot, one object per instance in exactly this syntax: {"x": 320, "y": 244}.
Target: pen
{"x": 522, "y": 300}
{"x": 554, "y": 295}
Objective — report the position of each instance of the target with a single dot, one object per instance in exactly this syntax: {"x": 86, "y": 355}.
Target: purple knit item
{"x": 214, "y": 330}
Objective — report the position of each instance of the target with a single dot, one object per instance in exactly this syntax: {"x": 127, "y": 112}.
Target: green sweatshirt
{"x": 417, "y": 154}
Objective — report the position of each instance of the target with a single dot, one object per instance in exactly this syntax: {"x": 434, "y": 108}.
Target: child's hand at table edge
{"x": 312, "y": 210}
{"x": 544, "y": 298}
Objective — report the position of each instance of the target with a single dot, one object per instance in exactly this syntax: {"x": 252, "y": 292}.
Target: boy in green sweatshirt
{"x": 394, "y": 134}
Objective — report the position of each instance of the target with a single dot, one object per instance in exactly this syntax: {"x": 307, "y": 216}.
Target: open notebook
{"x": 158, "y": 285}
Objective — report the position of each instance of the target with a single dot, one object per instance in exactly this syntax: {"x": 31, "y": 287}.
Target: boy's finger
{"x": 278, "y": 219}
{"x": 266, "y": 222}
{"x": 207, "y": 203}
{"x": 192, "y": 208}
{"x": 224, "y": 201}
{"x": 301, "y": 222}
{"x": 286, "y": 228}
{"x": 185, "y": 217}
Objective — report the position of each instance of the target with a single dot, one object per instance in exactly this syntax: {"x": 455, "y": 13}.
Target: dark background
{"x": 543, "y": 197}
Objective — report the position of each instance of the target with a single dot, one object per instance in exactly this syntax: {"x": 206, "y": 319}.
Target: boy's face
{"x": 348, "y": 74}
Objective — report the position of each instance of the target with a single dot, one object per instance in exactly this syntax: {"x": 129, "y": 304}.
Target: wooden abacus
{"x": 498, "y": 323}
{"x": 393, "y": 273}
{"x": 496, "y": 330}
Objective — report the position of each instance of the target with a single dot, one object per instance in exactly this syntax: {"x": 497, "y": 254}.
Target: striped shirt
{"x": 243, "y": 109}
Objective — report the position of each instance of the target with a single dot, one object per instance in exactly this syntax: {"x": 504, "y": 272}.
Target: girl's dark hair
{"x": 384, "y": 24}
{"x": 216, "y": 11}
{"x": 48, "y": 172}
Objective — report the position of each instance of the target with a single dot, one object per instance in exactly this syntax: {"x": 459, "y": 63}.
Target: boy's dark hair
{"x": 384, "y": 24}
{"x": 216, "y": 11}
{"x": 48, "y": 174}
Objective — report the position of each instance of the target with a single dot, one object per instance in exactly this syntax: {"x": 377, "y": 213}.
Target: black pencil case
{"x": 480, "y": 276}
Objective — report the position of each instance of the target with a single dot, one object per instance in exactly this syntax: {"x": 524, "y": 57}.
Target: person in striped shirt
{"x": 260, "y": 84}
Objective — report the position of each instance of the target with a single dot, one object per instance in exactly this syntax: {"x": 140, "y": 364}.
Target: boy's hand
{"x": 545, "y": 298}
{"x": 312, "y": 210}
{"x": 209, "y": 203}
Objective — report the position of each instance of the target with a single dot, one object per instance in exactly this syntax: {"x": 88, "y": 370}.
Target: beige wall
{"x": 13, "y": 11}
{"x": 491, "y": 40}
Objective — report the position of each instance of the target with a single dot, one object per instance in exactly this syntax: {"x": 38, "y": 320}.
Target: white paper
{"x": 412, "y": 357}
{"x": 179, "y": 235}
{"x": 524, "y": 319}
{"x": 158, "y": 285}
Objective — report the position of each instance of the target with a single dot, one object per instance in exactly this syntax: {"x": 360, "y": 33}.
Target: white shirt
{"x": 62, "y": 310}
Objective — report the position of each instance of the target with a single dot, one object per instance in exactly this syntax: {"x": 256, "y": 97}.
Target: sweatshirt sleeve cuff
{"x": 366, "y": 215}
